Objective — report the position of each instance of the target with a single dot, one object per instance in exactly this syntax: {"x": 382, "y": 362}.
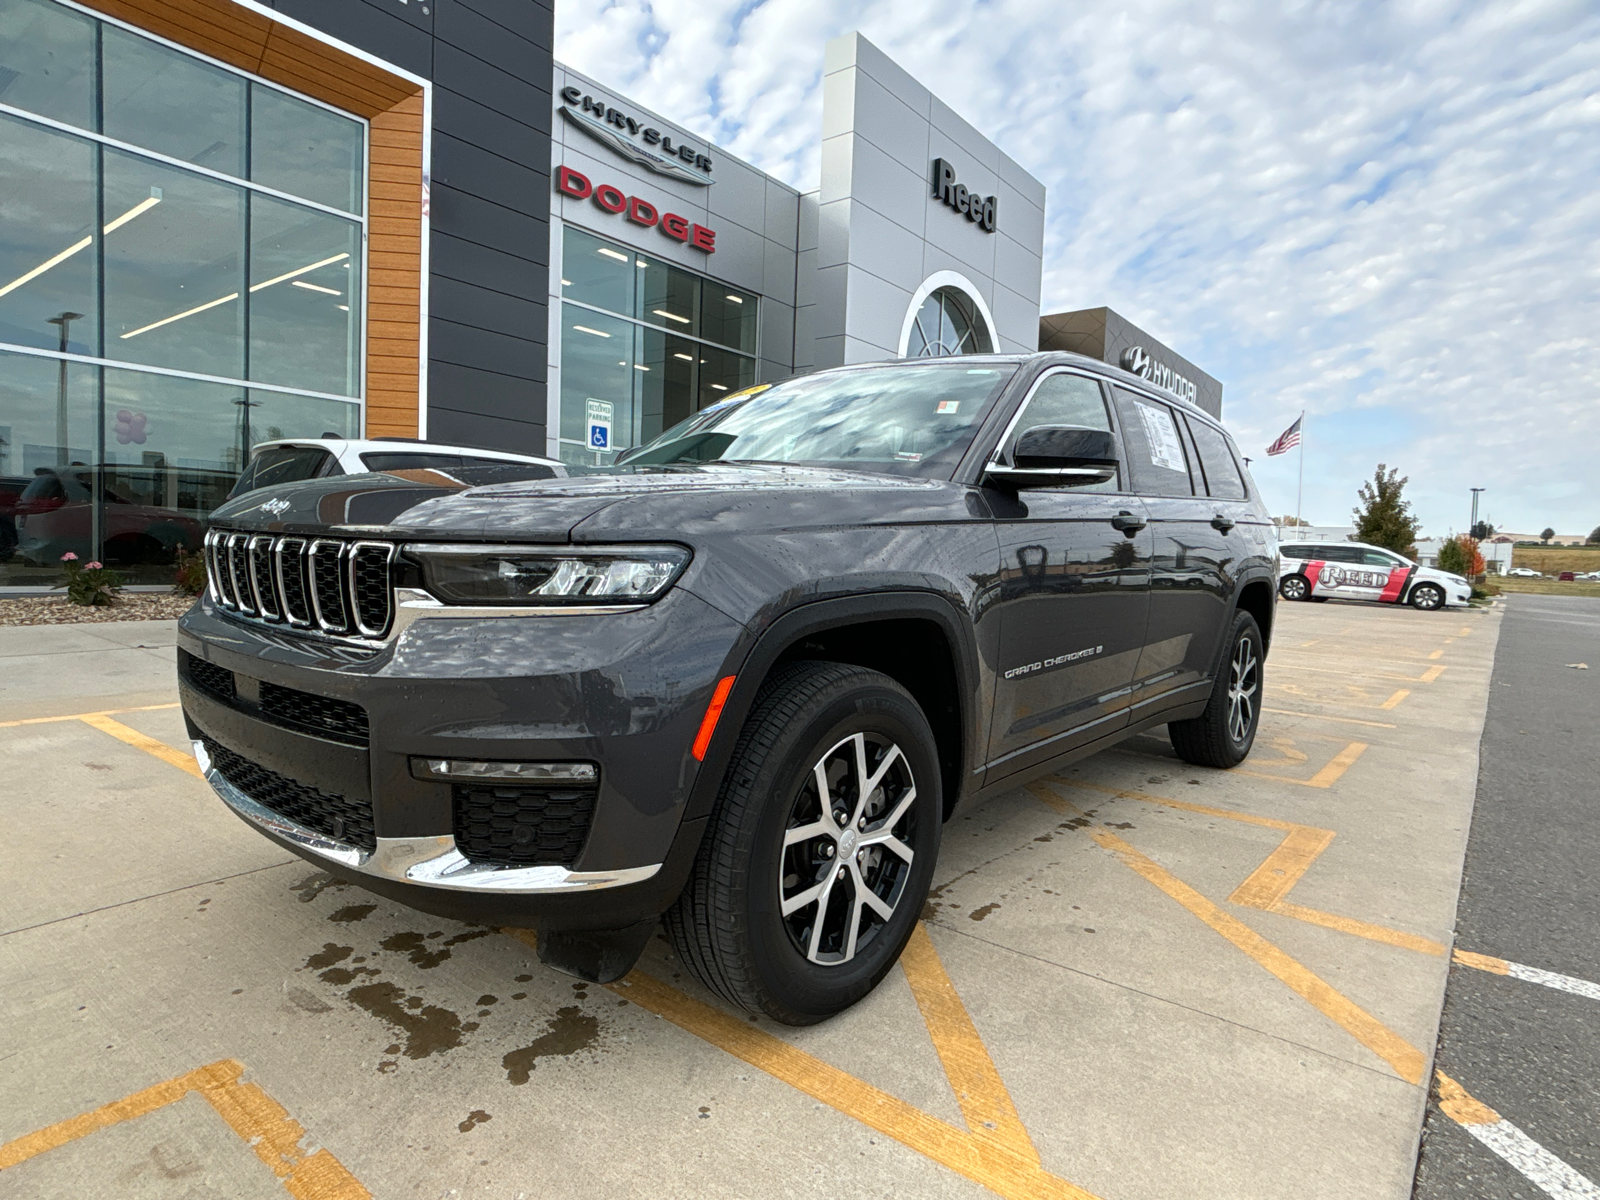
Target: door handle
{"x": 1221, "y": 523}
{"x": 1127, "y": 522}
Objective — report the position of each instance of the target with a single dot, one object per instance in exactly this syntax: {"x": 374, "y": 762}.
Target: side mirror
{"x": 1057, "y": 456}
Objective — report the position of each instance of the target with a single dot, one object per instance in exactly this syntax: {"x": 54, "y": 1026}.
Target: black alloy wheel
{"x": 1427, "y": 596}
{"x": 1295, "y": 587}
{"x": 1223, "y": 734}
{"x": 821, "y": 849}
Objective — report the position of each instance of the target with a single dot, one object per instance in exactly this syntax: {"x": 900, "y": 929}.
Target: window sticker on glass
{"x": 1165, "y": 449}
{"x": 949, "y": 406}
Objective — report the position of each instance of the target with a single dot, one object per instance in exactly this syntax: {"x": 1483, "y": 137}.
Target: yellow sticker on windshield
{"x": 749, "y": 391}
{"x": 948, "y": 406}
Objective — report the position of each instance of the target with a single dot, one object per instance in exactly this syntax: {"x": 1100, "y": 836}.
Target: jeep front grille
{"x": 338, "y": 586}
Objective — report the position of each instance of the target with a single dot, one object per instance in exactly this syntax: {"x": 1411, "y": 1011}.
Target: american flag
{"x": 1288, "y": 439}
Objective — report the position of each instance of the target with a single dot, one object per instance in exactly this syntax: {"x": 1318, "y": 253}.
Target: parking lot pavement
{"x": 1521, "y": 1026}
{"x": 1135, "y": 979}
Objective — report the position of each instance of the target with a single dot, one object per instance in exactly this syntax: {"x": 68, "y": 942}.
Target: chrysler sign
{"x": 1137, "y": 360}
{"x": 634, "y": 140}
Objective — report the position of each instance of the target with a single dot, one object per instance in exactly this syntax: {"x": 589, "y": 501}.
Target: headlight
{"x": 538, "y": 575}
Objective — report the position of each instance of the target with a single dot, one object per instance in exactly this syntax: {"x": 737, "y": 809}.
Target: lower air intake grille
{"x": 338, "y": 817}
{"x": 523, "y": 826}
{"x": 338, "y": 720}
{"x": 207, "y": 676}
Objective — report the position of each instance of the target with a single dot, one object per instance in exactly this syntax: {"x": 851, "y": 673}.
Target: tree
{"x": 1483, "y": 531}
{"x": 1383, "y": 518}
{"x": 1547, "y": 535}
{"x": 1594, "y": 536}
{"x": 1460, "y": 556}
{"x": 1292, "y": 522}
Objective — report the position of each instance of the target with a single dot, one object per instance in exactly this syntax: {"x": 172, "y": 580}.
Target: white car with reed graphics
{"x": 1357, "y": 571}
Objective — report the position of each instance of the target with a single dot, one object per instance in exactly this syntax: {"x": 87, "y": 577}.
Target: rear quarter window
{"x": 1223, "y": 480}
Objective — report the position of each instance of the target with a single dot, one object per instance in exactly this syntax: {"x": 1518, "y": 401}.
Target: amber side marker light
{"x": 708, "y": 723}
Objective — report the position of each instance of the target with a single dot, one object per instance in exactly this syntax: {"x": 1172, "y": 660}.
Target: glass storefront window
{"x": 47, "y": 61}
{"x": 305, "y": 297}
{"x": 304, "y": 150}
{"x": 204, "y": 274}
{"x": 47, "y": 215}
{"x": 677, "y": 343}
{"x": 159, "y": 99}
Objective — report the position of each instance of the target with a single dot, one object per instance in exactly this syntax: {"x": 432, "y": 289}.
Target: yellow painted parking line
{"x": 1394, "y": 700}
{"x": 1325, "y": 778}
{"x": 260, "y": 1121}
{"x": 84, "y": 716}
{"x": 985, "y": 1102}
{"x": 1427, "y": 676}
{"x": 1405, "y": 1059}
{"x": 1287, "y": 712}
{"x": 1433, "y": 673}
{"x": 984, "y": 1160}
{"x": 1545, "y": 1170}
{"x": 1437, "y": 654}
{"x": 1483, "y": 962}
{"x": 1268, "y": 886}
{"x": 169, "y": 754}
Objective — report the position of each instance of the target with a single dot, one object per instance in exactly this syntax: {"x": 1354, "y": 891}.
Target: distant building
{"x": 1110, "y": 337}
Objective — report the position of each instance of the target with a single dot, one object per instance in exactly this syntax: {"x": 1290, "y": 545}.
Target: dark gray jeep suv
{"x": 741, "y": 680}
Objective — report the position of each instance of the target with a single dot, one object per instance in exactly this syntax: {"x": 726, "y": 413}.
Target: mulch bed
{"x": 56, "y": 610}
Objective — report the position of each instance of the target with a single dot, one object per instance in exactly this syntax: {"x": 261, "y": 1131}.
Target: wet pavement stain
{"x": 328, "y": 955}
{"x": 427, "y": 1028}
{"x": 416, "y": 947}
{"x": 979, "y": 914}
{"x": 353, "y": 912}
{"x": 1119, "y": 825}
{"x": 474, "y": 1118}
{"x": 339, "y": 976}
{"x": 306, "y": 1001}
{"x": 705, "y": 1113}
{"x": 570, "y": 1031}
{"x": 313, "y": 886}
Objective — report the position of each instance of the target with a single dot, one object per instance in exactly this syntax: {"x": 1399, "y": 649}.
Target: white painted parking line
{"x": 1550, "y": 979}
{"x": 1541, "y": 1168}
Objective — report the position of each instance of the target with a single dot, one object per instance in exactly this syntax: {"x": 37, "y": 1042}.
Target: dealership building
{"x": 231, "y": 220}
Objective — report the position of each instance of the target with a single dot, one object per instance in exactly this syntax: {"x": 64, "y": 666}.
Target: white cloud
{"x": 1387, "y": 214}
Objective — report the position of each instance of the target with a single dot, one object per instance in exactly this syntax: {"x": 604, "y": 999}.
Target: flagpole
{"x": 1300, "y": 490}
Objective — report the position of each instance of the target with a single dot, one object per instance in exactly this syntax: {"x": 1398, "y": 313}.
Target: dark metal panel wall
{"x": 490, "y": 63}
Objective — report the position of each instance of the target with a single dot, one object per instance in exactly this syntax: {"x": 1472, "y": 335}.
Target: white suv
{"x": 290, "y": 460}
{"x": 1357, "y": 571}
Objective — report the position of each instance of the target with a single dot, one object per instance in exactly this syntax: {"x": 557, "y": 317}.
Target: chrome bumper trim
{"x": 425, "y": 861}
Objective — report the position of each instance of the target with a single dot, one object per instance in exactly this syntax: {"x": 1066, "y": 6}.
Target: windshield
{"x": 906, "y": 420}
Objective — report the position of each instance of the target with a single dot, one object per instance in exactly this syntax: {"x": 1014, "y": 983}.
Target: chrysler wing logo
{"x": 275, "y": 507}
{"x": 615, "y": 129}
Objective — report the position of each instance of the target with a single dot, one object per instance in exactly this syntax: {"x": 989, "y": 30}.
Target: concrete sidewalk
{"x": 1145, "y": 979}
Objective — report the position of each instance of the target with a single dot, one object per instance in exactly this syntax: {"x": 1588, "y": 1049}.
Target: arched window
{"x": 948, "y": 322}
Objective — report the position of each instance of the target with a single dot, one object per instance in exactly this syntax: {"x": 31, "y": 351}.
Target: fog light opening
{"x": 518, "y": 772}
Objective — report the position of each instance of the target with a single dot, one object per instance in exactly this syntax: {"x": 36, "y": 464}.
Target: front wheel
{"x": 1222, "y": 735}
{"x": 1427, "y": 597}
{"x": 821, "y": 848}
{"x": 1295, "y": 587}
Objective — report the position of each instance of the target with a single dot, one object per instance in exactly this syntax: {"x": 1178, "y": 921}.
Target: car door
{"x": 1389, "y": 574}
{"x": 1188, "y": 581}
{"x": 1073, "y": 594}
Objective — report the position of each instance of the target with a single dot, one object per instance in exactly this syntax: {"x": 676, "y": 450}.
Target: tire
{"x": 729, "y": 923}
{"x": 1429, "y": 597}
{"x": 1294, "y": 587}
{"x": 1223, "y": 734}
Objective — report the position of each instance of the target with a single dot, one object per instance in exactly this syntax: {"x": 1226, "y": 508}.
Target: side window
{"x": 1295, "y": 550}
{"x": 281, "y": 464}
{"x": 1153, "y": 446}
{"x": 1377, "y": 558}
{"x": 1066, "y": 400}
{"x": 1222, "y": 473}
{"x": 1343, "y": 554}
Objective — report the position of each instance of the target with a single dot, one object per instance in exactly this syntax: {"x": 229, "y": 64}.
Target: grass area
{"x": 1543, "y": 587}
{"x": 1554, "y": 559}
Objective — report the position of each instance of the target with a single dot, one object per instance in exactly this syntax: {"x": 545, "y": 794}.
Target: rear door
{"x": 1188, "y": 583}
{"x": 1388, "y": 574}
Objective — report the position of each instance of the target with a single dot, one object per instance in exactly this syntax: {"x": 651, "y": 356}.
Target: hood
{"x": 634, "y": 504}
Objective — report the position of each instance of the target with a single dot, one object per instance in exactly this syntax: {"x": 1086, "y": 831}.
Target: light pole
{"x": 64, "y": 321}
{"x": 1472, "y": 529}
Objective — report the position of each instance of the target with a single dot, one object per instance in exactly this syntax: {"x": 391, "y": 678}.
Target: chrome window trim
{"x": 424, "y": 861}
{"x": 266, "y": 599}
{"x": 998, "y": 457}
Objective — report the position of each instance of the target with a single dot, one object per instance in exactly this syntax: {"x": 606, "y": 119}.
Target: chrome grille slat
{"x": 213, "y": 582}
{"x": 289, "y": 566}
{"x": 262, "y": 591}
{"x": 239, "y": 572}
{"x": 368, "y": 587}
{"x": 329, "y": 600}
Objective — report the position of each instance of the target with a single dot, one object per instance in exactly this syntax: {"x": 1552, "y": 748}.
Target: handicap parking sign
{"x": 599, "y": 414}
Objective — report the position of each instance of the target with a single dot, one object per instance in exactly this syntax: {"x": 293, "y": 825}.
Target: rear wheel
{"x": 821, "y": 848}
{"x": 1427, "y": 597}
{"x": 1295, "y": 587}
{"x": 1223, "y": 734}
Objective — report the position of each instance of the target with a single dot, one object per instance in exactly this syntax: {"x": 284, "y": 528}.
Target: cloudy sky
{"x": 1385, "y": 214}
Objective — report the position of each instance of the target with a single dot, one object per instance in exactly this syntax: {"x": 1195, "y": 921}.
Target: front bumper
{"x": 623, "y": 690}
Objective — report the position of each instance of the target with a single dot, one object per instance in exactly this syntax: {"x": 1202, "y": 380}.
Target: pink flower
{"x": 69, "y": 556}
{"x": 94, "y": 566}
